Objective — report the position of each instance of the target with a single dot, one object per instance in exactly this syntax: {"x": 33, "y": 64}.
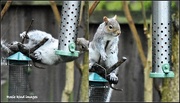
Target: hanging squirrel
{"x": 106, "y": 55}
{"x": 45, "y": 53}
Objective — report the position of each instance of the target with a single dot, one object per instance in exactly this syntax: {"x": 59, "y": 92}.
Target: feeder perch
{"x": 18, "y": 76}
{"x": 68, "y": 31}
{"x": 161, "y": 40}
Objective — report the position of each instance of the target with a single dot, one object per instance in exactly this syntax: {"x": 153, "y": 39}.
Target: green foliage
{"x": 109, "y": 5}
{"x": 135, "y": 5}
{"x": 174, "y": 5}
{"x": 117, "y": 5}
{"x": 114, "y": 6}
{"x": 147, "y": 5}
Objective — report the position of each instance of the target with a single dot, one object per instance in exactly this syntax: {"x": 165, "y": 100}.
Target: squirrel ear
{"x": 115, "y": 17}
{"x": 105, "y": 19}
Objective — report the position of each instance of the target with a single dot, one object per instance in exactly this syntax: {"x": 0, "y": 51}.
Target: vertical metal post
{"x": 18, "y": 77}
{"x": 161, "y": 40}
{"x": 68, "y": 30}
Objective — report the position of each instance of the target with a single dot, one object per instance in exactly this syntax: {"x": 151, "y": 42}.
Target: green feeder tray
{"x": 165, "y": 74}
{"x": 72, "y": 52}
{"x": 70, "y": 55}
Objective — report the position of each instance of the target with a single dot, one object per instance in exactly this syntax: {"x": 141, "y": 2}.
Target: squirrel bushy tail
{"x": 4, "y": 46}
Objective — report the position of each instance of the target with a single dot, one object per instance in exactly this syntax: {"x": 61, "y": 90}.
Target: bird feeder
{"x": 18, "y": 77}
{"x": 161, "y": 41}
{"x": 96, "y": 80}
{"x": 100, "y": 85}
{"x": 98, "y": 88}
{"x": 68, "y": 31}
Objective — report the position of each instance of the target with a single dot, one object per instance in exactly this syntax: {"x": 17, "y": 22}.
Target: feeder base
{"x": 162, "y": 75}
{"x": 66, "y": 53}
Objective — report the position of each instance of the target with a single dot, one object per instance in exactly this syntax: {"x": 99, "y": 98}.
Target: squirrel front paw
{"x": 90, "y": 65}
{"x": 112, "y": 78}
{"x": 104, "y": 56}
{"x": 38, "y": 55}
{"x": 113, "y": 49}
{"x": 23, "y": 34}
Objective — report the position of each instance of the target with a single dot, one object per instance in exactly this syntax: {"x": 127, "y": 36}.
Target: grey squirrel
{"x": 45, "y": 53}
{"x": 109, "y": 30}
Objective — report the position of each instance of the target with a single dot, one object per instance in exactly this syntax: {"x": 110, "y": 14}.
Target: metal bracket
{"x": 166, "y": 68}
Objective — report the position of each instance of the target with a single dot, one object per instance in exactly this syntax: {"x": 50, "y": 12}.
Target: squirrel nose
{"x": 118, "y": 33}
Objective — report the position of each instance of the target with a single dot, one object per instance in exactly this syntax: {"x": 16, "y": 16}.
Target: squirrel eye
{"x": 110, "y": 26}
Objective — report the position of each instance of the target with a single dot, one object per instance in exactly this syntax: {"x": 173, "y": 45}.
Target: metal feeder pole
{"x": 68, "y": 30}
{"x": 18, "y": 77}
{"x": 161, "y": 40}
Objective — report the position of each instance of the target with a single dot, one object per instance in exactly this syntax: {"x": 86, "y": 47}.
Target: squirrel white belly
{"x": 45, "y": 53}
{"x": 109, "y": 30}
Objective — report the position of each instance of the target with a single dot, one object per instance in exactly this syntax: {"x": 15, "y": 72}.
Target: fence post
{"x": 18, "y": 77}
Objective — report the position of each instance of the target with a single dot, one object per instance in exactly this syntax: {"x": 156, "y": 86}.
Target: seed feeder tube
{"x": 161, "y": 40}
{"x": 68, "y": 31}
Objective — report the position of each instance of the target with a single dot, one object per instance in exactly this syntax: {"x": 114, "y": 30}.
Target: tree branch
{"x": 92, "y": 8}
{"x": 148, "y": 82}
{"x": 113, "y": 67}
{"x": 55, "y": 11}
{"x": 134, "y": 32}
{"x": 85, "y": 74}
{"x": 80, "y": 14}
{"x": 6, "y": 7}
{"x": 69, "y": 81}
{"x": 38, "y": 45}
{"x": 144, "y": 18}
{"x": 102, "y": 71}
{"x": 27, "y": 31}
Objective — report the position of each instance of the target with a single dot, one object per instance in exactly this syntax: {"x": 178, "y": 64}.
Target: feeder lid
{"x": 19, "y": 57}
{"x": 94, "y": 77}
